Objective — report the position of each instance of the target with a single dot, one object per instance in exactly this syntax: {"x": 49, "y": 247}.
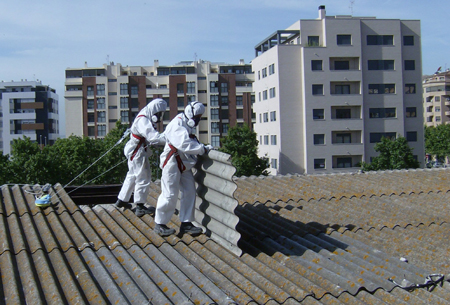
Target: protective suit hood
{"x": 155, "y": 106}
{"x": 193, "y": 109}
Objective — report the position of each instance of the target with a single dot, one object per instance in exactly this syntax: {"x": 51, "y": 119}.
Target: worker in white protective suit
{"x": 138, "y": 179}
{"x": 178, "y": 158}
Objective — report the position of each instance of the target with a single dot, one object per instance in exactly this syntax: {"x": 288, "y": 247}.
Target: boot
{"x": 123, "y": 204}
{"x": 164, "y": 230}
{"x": 142, "y": 210}
{"x": 189, "y": 228}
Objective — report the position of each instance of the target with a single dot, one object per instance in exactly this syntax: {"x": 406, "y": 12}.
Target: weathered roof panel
{"x": 327, "y": 239}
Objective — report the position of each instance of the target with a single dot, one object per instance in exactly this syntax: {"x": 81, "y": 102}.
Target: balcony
{"x": 345, "y": 64}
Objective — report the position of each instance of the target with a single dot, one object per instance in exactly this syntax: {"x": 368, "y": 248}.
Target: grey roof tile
{"x": 325, "y": 239}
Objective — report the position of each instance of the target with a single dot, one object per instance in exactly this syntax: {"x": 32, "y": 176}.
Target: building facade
{"x": 328, "y": 89}
{"x": 96, "y": 98}
{"x": 29, "y": 109}
{"x": 436, "y": 99}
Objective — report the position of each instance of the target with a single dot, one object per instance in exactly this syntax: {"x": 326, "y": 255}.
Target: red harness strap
{"x": 174, "y": 151}
{"x": 141, "y": 142}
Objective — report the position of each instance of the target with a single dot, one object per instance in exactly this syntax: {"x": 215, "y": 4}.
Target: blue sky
{"x": 40, "y": 39}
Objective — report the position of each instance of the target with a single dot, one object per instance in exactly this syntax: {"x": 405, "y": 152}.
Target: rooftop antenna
{"x": 107, "y": 59}
{"x": 195, "y": 56}
{"x": 351, "y": 6}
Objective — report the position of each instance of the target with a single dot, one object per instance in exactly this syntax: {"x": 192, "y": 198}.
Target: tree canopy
{"x": 242, "y": 145}
{"x": 437, "y": 140}
{"x": 394, "y": 154}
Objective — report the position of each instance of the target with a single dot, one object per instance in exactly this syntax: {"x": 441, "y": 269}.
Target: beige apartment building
{"x": 97, "y": 97}
{"x": 436, "y": 99}
{"x": 328, "y": 89}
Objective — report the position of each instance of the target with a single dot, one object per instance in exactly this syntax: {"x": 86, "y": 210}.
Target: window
{"x": 224, "y": 114}
{"x": 124, "y": 102}
{"x": 239, "y": 100}
{"x": 214, "y": 100}
{"x": 124, "y": 116}
{"x": 123, "y": 89}
{"x": 273, "y": 116}
{"x": 272, "y": 92}
{"x": 264, "y": 72}
{"x": 101, "y": 89}
{"x": 437, "y": 98}
{"x": 180, "y": 101}
{"x": 91, "y": 131}
{"x": 341, "y": 65}
{"x": 381, "y": 88}
{"x": 273, "y": 163}
{"x": 319, "y": 163}
{"x": 411, "y": 136}
{"x": 266, "y": 140}
{"x": 239, "y": 113}
{"x": 319, "y": 139}
{"x": 410, "y": 88}
{"x": 224, "y": 87}
{"x": 191, "y": 87}
{"x": 343, "y": 113}
{"x": 437, "y": 109}
{"x": 224, "y": 100}
{"x": 90, "y": 104}
{"x": 215, "y": 141}
{"x": 265, "y": 95}
{"x": 273, "y": 140}
{"x": 380, "y": 40}
{"x": 316, "y": 65}
{"x": 214, "y": 127}
{"x": 214, "y": 114}
{"x": 213, "y": 88}
{"x": 225, "y": 127}
{"x": 259, "y": 96}
{"x": 375, "y": 137}
{"x": 342, "y": 138}
{"x": 101, "y": 130}
{"x": 272, "y": 69}
{"x": 265, "y": 117}
{"x": 101, "y": 103}
{"x": 318, "y": 114}
{"x": 438, "y": 118}
{"x": 101, "y": 116}
{"x": 90, "y": 91}
{"x": 317, "y": 89}
{"x": 91, "y": 118}
{"x": 387, "y": 64}
{"x": 259, "y": 74}
{"x": 382, "y": 113}
{"x": 180, "y": 88}
{"x": 344, "y": 162}
{"x": 411, "y": 112}
{"x": 313, "y": 41}
{"x": 408, "y": 40}
{"x": 344, "y": 40}
{"x": 410, "y": 65}
{"x": 342, "y": 89}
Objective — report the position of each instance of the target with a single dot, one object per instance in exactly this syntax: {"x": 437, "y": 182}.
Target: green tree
{"x": 242, "y": 145}
{"x": 437, "y": 140}
{"x": 5, "y": 169}
{"x": 394, "y": 154}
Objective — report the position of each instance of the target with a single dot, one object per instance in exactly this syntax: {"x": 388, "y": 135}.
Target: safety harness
{"x": 141, "y": 142}
{"x": 174, "y": 151}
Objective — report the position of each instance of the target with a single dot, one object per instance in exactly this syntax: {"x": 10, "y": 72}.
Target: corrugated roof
{"x": 328, "y": 239}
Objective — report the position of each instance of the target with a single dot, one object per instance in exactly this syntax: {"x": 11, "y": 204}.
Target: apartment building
{"x": 29, "y": 109}
{"x": 95, "y": 98}
{"x": 328, "y": 89}
{"x": 436, "y": 99}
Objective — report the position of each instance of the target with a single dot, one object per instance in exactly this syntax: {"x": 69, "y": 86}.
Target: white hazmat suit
{"x": 143, "y": 133}
{"x": 178, "y": 158}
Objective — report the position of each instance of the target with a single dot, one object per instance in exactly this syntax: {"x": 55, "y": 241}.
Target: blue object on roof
{"x": 43, "y": 201}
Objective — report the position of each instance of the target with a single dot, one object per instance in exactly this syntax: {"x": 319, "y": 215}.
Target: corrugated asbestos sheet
{"x": 329, "y": 239}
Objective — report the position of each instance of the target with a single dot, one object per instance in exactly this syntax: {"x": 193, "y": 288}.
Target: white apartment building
{"x": 328, "y": 89}
{"x": 95, "y": 98}
{"x": 29, "y": 109}
{"x": 436, "y": 99}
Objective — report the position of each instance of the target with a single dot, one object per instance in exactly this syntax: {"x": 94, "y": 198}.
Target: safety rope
{"x": 430, "y": 282}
